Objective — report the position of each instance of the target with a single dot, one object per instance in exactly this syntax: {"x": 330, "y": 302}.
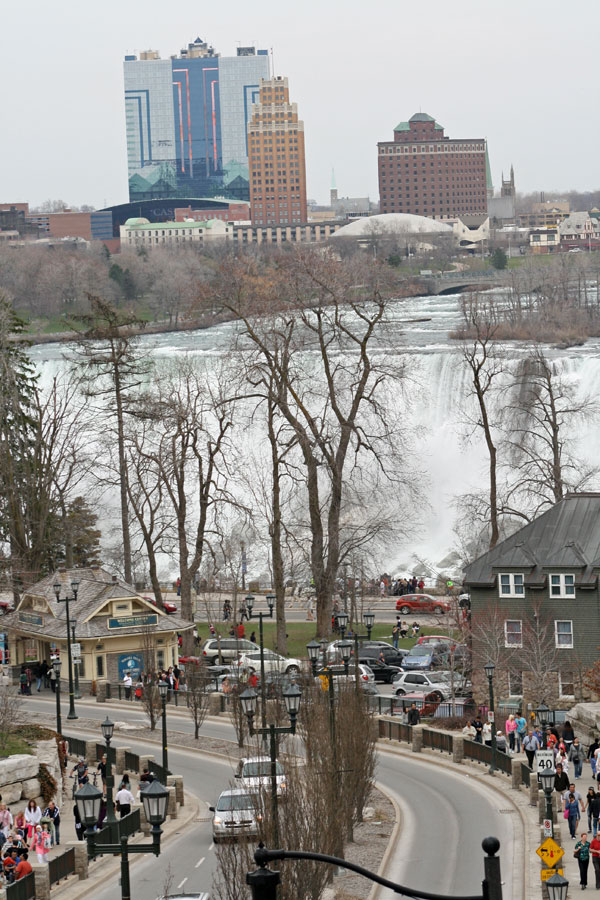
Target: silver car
{"x": 407, "y": 682}
{"x": 235, "y": 815}
{"x": 254, "y": 773}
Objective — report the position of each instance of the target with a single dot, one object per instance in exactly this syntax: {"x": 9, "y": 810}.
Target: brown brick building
{"x": 276, "y": 157}
{"x": 425, "y": 173}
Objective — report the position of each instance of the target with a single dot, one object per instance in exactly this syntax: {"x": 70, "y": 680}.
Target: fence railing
{"x": 76, "y": 746}
{"x": 100, "y": 751}
{"x": 125, "y": 827}
{"x": 61, "y": 866}
{"x": 504, "y": 762}
{"x": 395, "y": 731}
{"x": 132, "y": 761}
{"x": 525, "y": 774}
{"x": 438, "y": 740}
{"x": 158, "y": 770}
{"x": 23, "y": 889}
{"x": 479, "y": 752}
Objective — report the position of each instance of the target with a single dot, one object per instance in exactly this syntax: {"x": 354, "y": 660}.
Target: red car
{"x": 168, "y": 607}
{"x": 422, "y": 603}
{"x": 436, "y": 639}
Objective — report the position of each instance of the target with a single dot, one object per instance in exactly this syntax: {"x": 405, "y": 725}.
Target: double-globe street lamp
{"x": 57, "y": 666}
{"x": 489, "y": 669}
{"x": 543, "y": 714}
{"x": 163, "y": 690}
{"x": 368, "y": 619}
{"x": 154, "y": 798}
{"x": 291, "y": 697}
{"x": 76, "y": 661}
{"x": 260, "y": 616}
{"x": 108, "y": 728}
{"x": 67, "y": 600}
{"x": 547, "y": 781}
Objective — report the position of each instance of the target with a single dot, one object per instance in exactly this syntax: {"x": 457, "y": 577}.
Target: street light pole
{"x": 107, "y": 732}
{"x": 291, "y": 697}
{"x": 163, "y": 688}
{"x": 490, "y": 668}
{"x": 261, "y": 638}
{"x": 66, "y": 600}
{"x": 547, "y": 780}
{"x": 76, "y": 662}
{"x": 369, "y": 618}
{"x": 57, "y": 665}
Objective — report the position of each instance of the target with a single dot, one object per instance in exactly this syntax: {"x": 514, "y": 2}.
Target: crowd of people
{"x": 397, "y": 587}
{"x": 30, "y": 830}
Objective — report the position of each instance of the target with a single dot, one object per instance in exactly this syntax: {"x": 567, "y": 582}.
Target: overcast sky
{"x": 519, "y": 73}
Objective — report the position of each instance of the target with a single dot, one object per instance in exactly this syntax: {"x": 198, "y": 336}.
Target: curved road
{"x": 445, "y": 815}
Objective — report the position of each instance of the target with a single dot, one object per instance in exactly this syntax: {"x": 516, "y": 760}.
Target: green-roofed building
{"x": 422, "y": 172}
{"x": 140, "y": 233}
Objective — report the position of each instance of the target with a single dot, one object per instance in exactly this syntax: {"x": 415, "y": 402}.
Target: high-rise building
{"x": 186, "y": 121}
{"x": 276, "y": 157}
{"x": 426, "y": 173}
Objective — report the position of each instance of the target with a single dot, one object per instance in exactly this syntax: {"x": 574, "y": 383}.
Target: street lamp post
{"x": 107, "y": 733}
{"x": 263, "y": 686}
{"x": 547, "y": 781}
{"x": 291, "y": 697}
{"x": 489, "y": 669}
{"x": 67, "y": 600}
{"x": 76, "y": 662}
{"x": 543, "y": 714}
{"x": 154, "y": 799}
{"x": 368, "y": 618}
{"x": 557, "y": 887}
{"x": 57, "y": 665}
{"x": 163, "y": 689}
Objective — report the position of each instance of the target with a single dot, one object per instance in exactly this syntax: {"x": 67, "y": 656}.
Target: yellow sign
{"x": 324, "y": 682}
{"x": 550, "y": 853}
{"x": 548, "y": 873}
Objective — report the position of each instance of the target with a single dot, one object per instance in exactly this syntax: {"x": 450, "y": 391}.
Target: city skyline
{"x": 353, "y": 70}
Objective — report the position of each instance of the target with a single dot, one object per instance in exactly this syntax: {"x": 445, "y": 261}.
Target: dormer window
{"x": 511, "y": 585}
{"x": 562, "y": 586}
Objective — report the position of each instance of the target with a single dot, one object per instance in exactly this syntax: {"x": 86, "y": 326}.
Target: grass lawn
{"x": 14, "y": 744}
{"x": 300, "y": 633}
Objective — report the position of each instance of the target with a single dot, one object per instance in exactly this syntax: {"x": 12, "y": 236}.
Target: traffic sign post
{"x": 544, "y": 760}
{"x": 548, "y": 873}
{"x": 548, "y": 828}
{"x": 76, "y": 650}
{"x": 550, "y": 853}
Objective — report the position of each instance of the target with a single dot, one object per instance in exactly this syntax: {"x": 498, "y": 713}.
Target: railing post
{"x": 81, "y": 858}
{"x": 41, "y": 874}
{"x": 119, "y": 757}
{"x": 516, "y": 774}
{"x": 417, "y": 738}
{"x": 458, "y": 748}
{"x": 492, "y": 884}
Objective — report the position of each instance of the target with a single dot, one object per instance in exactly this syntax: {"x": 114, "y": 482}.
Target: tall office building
{"x": 276, "y": 157}
{"x": 425, "y": 173}
{"x": 186, "y": 121}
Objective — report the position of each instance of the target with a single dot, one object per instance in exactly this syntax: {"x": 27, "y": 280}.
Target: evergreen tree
{"x": 499, "y": 258}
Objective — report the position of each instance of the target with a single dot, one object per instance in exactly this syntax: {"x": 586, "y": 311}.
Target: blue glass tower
{"x": 186, "y": 121}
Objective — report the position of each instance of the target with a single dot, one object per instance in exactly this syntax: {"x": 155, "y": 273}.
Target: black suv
{"x": 392, "y": 656}
{"x": 381, "y": 670}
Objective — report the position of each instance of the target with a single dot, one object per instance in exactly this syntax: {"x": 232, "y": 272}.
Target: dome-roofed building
{"x": 392, "y": 224}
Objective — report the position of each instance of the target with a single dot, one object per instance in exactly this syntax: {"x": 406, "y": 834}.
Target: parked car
{"x": 422, "y": 603}
{"x": 441, "y": 682}
{"x": 381, "y": 670}
{"x": 235, "y": 815}
{"x": 392, "y": 656}
{"x": 274, "y": 662}
{"x": 254, "y": 772}
{"x": 425, "y": 656}
{"x": 168, "y": 607}
{"x": 365, "y": 674}
{"x": 426, "y": 702}
{"x": 436, "y": 639}
{"x": 179, "y": 896}
{"x": 230, "y": 648}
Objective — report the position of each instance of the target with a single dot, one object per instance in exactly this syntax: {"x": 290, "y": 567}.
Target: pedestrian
{"x": 146, "y": 777}
{"x": 561, "y": 783}
{"x": 212, "y": 630}
{"x": 40, "y": 842}
{"x": 595, "y": 854}
{"x": 567, "y": 735}
{"x": 510, "y": 729}
{"x": 6, "y": 819}
{"x": 530, "y": 745}
{"x": 23, "y": 681}
{"x": 253, "y": 637}
{"x": 578, "y": 798}
{"x": 486, "y": 734}
{"x": 178, "y": 586}
{"x": 395, "y": 636}
{"x": 403, "y": 630}
{"x": 582, "y": 855}
{"x": 521, "y": 731}
{"x": 125, "y": 801}
{"x": 478, "y": 726}
{"x": 52, "y": 812}
{"x": 252, "y": 679}
{"x": 592, "y": 806}
{"x": 572, "y": 815}
{"x": 501, "y": 742}
{"x": 591, "y": 754}
{"x": 127, "y": 683}
{"x": 576, "y": 757}
{"x": 413, "y": 716}
{"x": 23, "y": 867}
{"x": 139, "y": 691}
{"x": 469, "y": 731}
{"x": 33, "y": 814}
{"x": 241, "y": 631}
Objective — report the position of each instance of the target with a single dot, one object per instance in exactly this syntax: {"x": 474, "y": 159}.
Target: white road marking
{"x": 199, "y": 863}
{"x": 211, "y": 846}
{"x": 181, "y": 884}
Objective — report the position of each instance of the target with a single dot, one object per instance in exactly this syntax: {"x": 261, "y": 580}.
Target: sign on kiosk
{"x": 544, "y": 761}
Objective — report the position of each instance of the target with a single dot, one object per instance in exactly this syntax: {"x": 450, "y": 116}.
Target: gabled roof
{"x": 421, "y": 117}
{"x": 565, "y": 537}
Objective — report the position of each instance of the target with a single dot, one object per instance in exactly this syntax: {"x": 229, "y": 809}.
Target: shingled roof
{"x": 566, "y": 537}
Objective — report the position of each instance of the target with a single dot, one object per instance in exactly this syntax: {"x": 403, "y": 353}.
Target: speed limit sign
{"x": 544, "y": 761}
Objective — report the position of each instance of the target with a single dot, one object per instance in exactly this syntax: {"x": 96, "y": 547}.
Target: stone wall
{"x": 18, "y": 775}
{"x": 585, "y": 719}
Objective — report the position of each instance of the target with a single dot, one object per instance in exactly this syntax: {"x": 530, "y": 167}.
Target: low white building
{"x": 142, "y": 233}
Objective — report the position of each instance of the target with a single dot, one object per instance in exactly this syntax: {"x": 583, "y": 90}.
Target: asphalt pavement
{"x": 445, "y": 815}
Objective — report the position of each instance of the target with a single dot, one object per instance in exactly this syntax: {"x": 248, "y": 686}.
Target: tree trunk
{"x": 127, "y": 567}
{"x": 277, "y": 556}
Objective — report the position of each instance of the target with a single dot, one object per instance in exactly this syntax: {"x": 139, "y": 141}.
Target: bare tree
{"x": 197, "y": 697}
{"x": 150, "y": 696}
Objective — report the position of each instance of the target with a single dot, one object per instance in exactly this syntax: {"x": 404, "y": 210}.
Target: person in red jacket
{"x": 241, "y": 631}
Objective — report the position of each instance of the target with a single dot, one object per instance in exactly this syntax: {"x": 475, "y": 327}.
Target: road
{"x": 445, "y": 815}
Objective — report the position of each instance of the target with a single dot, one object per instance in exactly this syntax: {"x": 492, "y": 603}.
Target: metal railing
{"x": 395, "y": 731}
{"x": 100, "y": 751}
{"x": 132, "y": 761}
{"x": 61, "y": 866}
{"x": 23, "y": 889}
{"x": 504, "y": 762}
{"x": 76, "y": 746}
{"x": 525, "y": 774}
{"x": 125, "y": 827}
{"x": 438, "y": 740}
{"x": 481, "y": 753}
{"x": 158, "y": 770}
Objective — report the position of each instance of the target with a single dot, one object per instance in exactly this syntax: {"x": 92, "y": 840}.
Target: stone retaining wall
{"x": 19, "y": 774}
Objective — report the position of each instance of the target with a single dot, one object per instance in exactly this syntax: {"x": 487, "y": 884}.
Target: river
{"x": 436, "y": 422}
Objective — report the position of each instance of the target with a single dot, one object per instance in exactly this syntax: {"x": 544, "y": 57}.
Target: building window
{"x": 512, "y": 586}
{"x": 99, "y": 667}
{"x": 515, "y": 684}
{"x": 513, "y": 633}
{"x": 566, "y": 684}
{"x": 562, "y": 585}
{"x": 563, "y": 633}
